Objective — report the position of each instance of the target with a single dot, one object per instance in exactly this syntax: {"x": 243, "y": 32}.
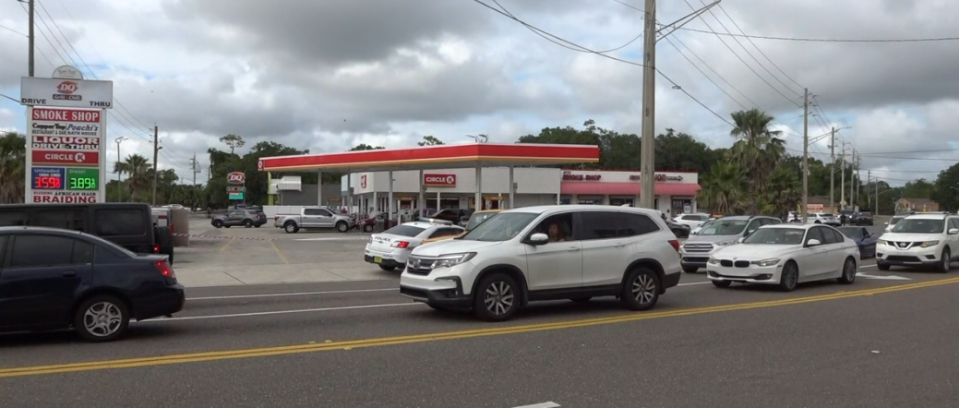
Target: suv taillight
{"x": 156, "y": 249}
{"x": 675, "y": 244}
{"x": 165, "y": 269}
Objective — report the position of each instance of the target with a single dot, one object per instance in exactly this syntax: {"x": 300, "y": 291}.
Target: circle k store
{"x": 456, "y": 188}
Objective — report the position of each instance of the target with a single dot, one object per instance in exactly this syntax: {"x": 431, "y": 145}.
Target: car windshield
{"x": 854, "y": 233}
{"x": 405, "y": 230}
{"x": 920, "y": 226}
{"x": 895, "y": 220}
{"x": 478, "y": 219}
{"x": 724, "y": 227}
{"x": 502, "y": 227}
{"x": 776, "y": 236}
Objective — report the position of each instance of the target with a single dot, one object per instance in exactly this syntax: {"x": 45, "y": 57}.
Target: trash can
{"x": 379, "y": 224}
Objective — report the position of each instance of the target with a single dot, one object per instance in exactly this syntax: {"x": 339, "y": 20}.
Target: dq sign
{"x": 439, "y": 180}
{"x": 236, "y": 177}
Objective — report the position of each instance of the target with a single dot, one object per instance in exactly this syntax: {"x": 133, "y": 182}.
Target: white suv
{"x": 546, "y": 253}
{"x": 921, "y": 239}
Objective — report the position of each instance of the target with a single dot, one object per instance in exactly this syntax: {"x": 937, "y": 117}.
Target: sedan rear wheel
{"x": 101, "y": 318}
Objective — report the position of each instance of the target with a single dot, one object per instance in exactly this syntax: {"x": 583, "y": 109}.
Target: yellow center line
{"x": 462, "y": 334}
{"x": 279, "y": 253}
{"x": 226, "y": 245}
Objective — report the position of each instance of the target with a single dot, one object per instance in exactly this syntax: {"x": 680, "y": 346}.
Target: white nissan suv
{"x": 547, "y": 253}
{"x": 930, "y": 239}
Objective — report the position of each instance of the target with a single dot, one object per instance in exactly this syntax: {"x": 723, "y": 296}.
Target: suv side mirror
{"x": 953, "y": 231}
{"x": 813, "y": 242}
{"x": 538, "y": 238}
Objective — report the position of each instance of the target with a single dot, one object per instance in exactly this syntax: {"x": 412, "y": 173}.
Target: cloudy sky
{"x": 327, "y": 75}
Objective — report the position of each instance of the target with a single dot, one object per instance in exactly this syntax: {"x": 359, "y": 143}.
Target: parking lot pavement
{"x": 359, "y": 344}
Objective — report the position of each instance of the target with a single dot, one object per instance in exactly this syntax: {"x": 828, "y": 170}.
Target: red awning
{"x": 628, "y": 189}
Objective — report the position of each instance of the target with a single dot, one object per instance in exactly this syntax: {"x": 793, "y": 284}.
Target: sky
{"x": 328, "y": 75}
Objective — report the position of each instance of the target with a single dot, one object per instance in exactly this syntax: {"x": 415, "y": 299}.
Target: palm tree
{"x": 758, "y": 150}
{"x": 139, "y": 174}
{"x": 722, "y": 187}
{"x": 13, "y": 149}
{"x": 784, "y": 191}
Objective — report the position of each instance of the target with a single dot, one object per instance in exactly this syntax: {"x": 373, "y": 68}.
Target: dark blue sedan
{"x": 55, "y": 279}
{"x": 865, "y": 240}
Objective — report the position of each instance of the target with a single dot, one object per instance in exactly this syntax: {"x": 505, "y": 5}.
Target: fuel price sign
{"x": 83, "y": 179}
{"x": 47, "y": 178}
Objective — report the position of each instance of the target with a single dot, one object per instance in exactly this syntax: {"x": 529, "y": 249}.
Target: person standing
{"x": 842, "y": 220}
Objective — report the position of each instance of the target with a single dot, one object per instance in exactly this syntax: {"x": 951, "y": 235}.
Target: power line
{"x": 757, "y": 47}
{"x": 704, "y": 74}
{"x": 590, "y": 51}
{"x": 744, "y": 61}
{"x": 710, "y": 68}
{"x": 825, "y": 40}
{"x": 914, "y": 151}
{"x": 909, "y": 158}
{"x": 13, "y": 31}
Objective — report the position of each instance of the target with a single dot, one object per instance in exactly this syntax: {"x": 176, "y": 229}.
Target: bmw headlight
{"x": 451, "y": 260}
{"x": 928, "y": 244}
{"x": 713, "y": 261}
{"x": 766, "y": 262}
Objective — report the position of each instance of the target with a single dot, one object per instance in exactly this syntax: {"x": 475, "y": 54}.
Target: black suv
{"x": 129, "y": 225}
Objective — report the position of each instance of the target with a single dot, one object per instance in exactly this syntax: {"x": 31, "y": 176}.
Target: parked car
{"x": 692, "y": 220}
{"x": 477, "y": 218}
{"x": 369, "y": 223}
{"x": 313, "y": 217}
{"x": 234, "y": 218}
{"x": 391, "y": 248}
{"x": 527, "y": 254}
{"x": 892, "y": 222}
{"x": 920, "y": 240}
{"x": 55, "y": 278}
{"x": 130, "y": 225}
{"x": 718, "y": 234}
{"x": 862, "y": 218}
{"x": 862, "y": 238}
{"x": 822, "y": 218}
{"x": 452, "y": 215}
{"x": 786, "y": 255}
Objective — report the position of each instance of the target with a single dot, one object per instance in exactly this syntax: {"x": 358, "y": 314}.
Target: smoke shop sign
{"x": 659, "y": 177}
{"x": 569, "y": 176}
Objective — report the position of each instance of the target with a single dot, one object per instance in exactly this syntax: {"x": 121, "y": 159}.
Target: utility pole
{"x": 156, "y": 149}
{"x": 119, "y": 186}
{"x": 193, "y": 167}
{"x": 859, "y": 177}
{"x": 842, "y": 171}
{"x": 832, "y": 170}
{"x": 30, "y": 34}
{"x": 876, "y": 212}
{"x": 805, "y": 157}
{"x": 868, "y": 179}
{"x": 647, "y": 147}
{"x": 852, "y": 180}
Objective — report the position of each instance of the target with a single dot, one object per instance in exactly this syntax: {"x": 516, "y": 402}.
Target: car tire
{"x": 218, "y": 224}
{"x": 789, "y": 278}
{"x": 388, "y": 268}
{"x": 226, "y": 226}
{"x": 640, "y": 289}
{"x": 945, "y": 264}
{"x": 882, "y": 266}
{"x": 247, "y": 224}
{"x": 342, "y": 226}
{"x": 101, "y": 318}
{"x": 164, "y": 240}
{"x": 581, "y": 299}
{"x": 367, "y": 228}
{"x": 690, "y": 269}
{"x": 496, "y": 298}
{"x": 721, "y": 283}
{"x": 290, "y": 227}
{"x": 258, "y": 225}
{"x": 848, "y": 272}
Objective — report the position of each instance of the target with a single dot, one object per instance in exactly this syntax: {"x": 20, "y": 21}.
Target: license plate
{"x": 377, "y": 259}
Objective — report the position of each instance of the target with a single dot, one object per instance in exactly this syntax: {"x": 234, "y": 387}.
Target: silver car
{"x": 718, "y": 234}
{"x": 391, "y": 248}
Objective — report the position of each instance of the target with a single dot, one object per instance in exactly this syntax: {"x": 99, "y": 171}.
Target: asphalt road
{"x": 886, "y": 341}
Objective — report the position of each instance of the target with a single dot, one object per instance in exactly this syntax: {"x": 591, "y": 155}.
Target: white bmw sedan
{"x": 786, "y": 255}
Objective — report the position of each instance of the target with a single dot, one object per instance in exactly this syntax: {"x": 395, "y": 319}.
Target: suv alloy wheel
{"x": 640, "y": 289}
{"x": 496, "y": 298}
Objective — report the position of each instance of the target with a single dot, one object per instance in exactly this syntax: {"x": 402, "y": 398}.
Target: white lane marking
{"x": 549, "y": 404}
{"x": 334, "y": 239}
{"x": 693, "y": 283}
{"x": 332, "y": 292}
{"x": 867, "y": 266}
{"x": 277, "y": 312}
{"x": 881, "y": 277}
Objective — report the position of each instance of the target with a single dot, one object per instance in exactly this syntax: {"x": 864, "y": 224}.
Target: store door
{"x": 677, "y": 207}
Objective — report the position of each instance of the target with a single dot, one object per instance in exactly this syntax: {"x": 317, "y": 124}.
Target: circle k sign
{"x": 439, "y": 180}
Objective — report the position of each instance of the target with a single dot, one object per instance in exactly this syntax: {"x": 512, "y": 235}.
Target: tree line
{"x": 755, "y": 175}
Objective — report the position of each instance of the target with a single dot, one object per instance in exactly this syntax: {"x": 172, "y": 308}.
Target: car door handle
{"x": 573, "y": 249}
{"x": 70, "y": 274}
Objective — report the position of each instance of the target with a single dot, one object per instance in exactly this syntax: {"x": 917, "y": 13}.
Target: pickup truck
{"x": 312, "y": 217}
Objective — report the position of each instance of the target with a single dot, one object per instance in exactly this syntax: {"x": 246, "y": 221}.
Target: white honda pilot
{"x": 547, "y": 253}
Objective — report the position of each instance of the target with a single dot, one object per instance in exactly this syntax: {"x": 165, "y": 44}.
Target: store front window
{"x": 619, "y": 202}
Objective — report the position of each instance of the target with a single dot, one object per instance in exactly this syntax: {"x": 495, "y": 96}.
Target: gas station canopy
{"x": 436, "y": 157}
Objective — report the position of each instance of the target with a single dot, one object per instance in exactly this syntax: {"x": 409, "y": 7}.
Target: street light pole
{"x": 30, "y": 12}
{"x": 119, "y": 186}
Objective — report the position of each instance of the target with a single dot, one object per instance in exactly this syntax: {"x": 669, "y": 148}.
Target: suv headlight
{"x": 766, "y": 262}
{"x": 451, "y": 260}
{"x": 713, "y": 261}
{"x": 722, "y": 244}
{"x": 928, "y": 244}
